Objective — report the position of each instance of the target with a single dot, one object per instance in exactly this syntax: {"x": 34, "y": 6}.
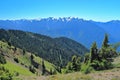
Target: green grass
{"x": 24, "y": 59}
{"x": 48, "y": 65}
{"x": 70, "y": 76}
{"x": 116, "y": 62}
{"x": 12, "y": 67}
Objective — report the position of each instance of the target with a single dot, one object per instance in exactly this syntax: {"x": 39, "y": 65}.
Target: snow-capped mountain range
{"x": 80, "y": 30}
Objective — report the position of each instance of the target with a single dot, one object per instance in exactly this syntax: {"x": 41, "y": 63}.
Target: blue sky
{"x": 98, "y": 10}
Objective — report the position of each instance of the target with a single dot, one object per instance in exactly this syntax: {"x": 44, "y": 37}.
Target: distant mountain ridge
{"x": 80, "y": 30}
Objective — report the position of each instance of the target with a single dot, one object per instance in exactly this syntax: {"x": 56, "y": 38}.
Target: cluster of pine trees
{"x": 97, "y": 59}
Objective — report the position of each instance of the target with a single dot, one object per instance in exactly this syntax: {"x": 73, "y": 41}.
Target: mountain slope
{"x": 48, "y": 48}
{"x": 18, "y": 64}
{"x": 112, "y": 27}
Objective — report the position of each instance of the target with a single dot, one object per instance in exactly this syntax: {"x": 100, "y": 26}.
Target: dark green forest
{"x": 50, "y": 49}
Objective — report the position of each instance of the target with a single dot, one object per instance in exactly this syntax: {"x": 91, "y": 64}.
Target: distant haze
{"x": 80, "y": 30}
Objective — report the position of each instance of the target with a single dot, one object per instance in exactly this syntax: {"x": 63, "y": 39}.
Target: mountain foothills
{"x": 87, "y": 31}
{"x": 51, "y": 49}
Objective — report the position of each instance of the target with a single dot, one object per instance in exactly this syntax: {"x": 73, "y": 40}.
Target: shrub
{"x": 16, "y": 60}
{"x": 86, "y": 68}
{"x": 32, "y": 69}
{"x": 16, "y": 74}
{"x": 5, "y": 74}
{"x": 2, "y": 59}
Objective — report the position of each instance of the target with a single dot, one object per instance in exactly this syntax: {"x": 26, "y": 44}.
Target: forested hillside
{"x": 51, "y": 49}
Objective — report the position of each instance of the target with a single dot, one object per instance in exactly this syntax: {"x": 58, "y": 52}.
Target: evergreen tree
{"x": 9, "y": 42}
{"x": 43, "y": 67}
{"x": 74, "y": 65}
{"x": 15, "y": 49}
{"x": 78, "y": 63}
{"x": 93, "y": 52}
{"x": 24, "y": 51}
{"x": 105, "y": 42}
{"x": 32, "y": 69}
{"x": 69, "y": 66}
{"x": 103, "y": 59}
{"x": 51, "y": 71}
{"x": 86, "y": 58}
{"x": 2, "y": 59}
{"x": 31, "y": 57}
